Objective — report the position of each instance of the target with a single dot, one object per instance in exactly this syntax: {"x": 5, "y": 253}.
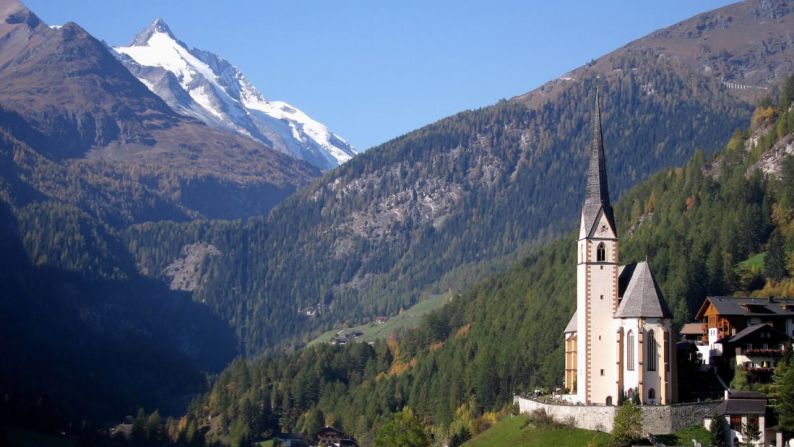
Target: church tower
{"x": 597, "y": 283}
{"x": 620, "y": 342}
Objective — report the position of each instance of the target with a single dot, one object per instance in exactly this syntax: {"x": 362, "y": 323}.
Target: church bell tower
{"x": 597, "y": 282}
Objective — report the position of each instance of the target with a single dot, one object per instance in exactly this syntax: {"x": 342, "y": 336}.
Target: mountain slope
{"x": 203, "y": 85}
{"x": 504, "y": 336}
{"x": 442, "y": 206}
{"x": 746, "y": 46}
{"x": 66, "y": 97}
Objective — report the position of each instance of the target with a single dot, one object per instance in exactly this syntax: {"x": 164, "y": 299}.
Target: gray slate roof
{"x": 769, "y": 307}
{"x": 597, "y": 196}
{"x": 749, "y": 330}
{"x": 742, "y": 407}
{"x": 625, "y": 273}
{"x": 571, "y": 327}
{"x": 643, "y": 298}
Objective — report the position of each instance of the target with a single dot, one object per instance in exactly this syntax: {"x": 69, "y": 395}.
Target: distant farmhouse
{"x": 619, "y": 342}
{"x": 331, "y": 437}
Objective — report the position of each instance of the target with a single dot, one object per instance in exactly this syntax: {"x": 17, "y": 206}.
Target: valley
{"x": 182, "y": 253}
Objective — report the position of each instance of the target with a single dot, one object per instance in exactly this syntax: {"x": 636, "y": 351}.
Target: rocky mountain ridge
{"x": 67, "y": 103}
{"x": 203, "y": 85}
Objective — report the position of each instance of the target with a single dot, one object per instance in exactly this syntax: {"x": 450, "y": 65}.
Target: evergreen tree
{"x": 775, "y": 262}
{"x": 402, "y": 430}
{"x": 313, "y": 422}
{"x": 782, "y": 394}
{"x": 787, "y": 93}
{"x": 717, "y": 435}
{"x": 138, "y": 434}
{"x": 750, "y": 432}
{"x": 154, "y": 427}
{"x": 740, "y": 381}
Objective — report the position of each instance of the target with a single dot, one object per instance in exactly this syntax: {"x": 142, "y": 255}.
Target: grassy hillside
{"x": 406, "y": 319}
{"x": 518, "y": 431}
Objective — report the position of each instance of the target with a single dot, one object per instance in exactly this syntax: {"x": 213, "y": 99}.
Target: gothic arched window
{"x": 651, "y": 352}
{"x": 601, "y": 253}
{"x": 630, "y": 351}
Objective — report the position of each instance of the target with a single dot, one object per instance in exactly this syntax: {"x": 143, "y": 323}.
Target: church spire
{"x": 597, "y": 196}
{"x": 597, "y": 188}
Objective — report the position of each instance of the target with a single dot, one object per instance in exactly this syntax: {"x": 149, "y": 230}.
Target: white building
{"x": 619, "y": 341}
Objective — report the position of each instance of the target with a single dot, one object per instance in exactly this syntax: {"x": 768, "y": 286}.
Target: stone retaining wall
{"x": 656, "y": 419}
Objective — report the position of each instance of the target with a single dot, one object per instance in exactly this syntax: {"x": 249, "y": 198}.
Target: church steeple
{"x": 597, "y": 189}
{"x": 597, "y": 195}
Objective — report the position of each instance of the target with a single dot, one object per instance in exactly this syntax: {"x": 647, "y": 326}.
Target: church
{"x": 619, "y": 343}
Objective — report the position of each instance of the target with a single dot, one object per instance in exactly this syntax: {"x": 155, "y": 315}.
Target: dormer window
{"x": 601, "y": 253}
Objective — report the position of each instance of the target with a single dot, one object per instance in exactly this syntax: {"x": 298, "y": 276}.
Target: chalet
{"x": 330, "y": 436}
{"x": 744, "y": 415}
{"x": 380, "y": 320}
{"x": 692, "y": 332}
{"x": 758, "y": 348}
{"x": 727, "y": 319}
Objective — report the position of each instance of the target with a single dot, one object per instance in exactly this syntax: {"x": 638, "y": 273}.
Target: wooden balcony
{"x": 762, "y": 352}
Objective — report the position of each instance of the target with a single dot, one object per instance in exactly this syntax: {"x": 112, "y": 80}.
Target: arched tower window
{"x": 630, "y": 351}
{"x": 651, "y": 352}
{"x": 609, "y": 400}
{"x": 601, "y": 253}
{"x": 651, "y": 394}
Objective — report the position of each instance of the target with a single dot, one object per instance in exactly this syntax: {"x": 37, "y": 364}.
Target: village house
{"x": 329, "y": 436}
{"x": 692, "y": 332}
{"x": 744, "y": 414}
{"x": 749, "y": 332}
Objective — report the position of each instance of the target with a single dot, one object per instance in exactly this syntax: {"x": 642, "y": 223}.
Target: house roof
{"x": 750, "y": 330}
{"x": 740, "y": 394}
{"x": 742, "y": 407}
{"x": 693, "y": 329}
{"x": 330, "y": 431}
{"x": 571, "y": 326}
{"x": 643, "y": 298}
{"x": 728, "y": 305}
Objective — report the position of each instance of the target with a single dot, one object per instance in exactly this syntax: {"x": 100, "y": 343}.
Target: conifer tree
{"x": 782, "y": 394}
{"x": 775, "y": 262}
{"x": 717, "y": 432}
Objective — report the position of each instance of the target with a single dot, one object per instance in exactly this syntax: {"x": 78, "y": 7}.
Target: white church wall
{"x": 631, "y": 377}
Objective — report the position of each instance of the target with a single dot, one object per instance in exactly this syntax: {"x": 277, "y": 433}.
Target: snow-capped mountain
{"x": 205, "y": 86}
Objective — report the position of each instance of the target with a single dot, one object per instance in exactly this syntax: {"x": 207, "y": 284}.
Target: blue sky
{"x": 373, "y": 70}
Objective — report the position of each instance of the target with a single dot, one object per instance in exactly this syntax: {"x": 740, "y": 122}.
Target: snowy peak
{"x": 158, "y": 26}
{"x": 203, "y": 85}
